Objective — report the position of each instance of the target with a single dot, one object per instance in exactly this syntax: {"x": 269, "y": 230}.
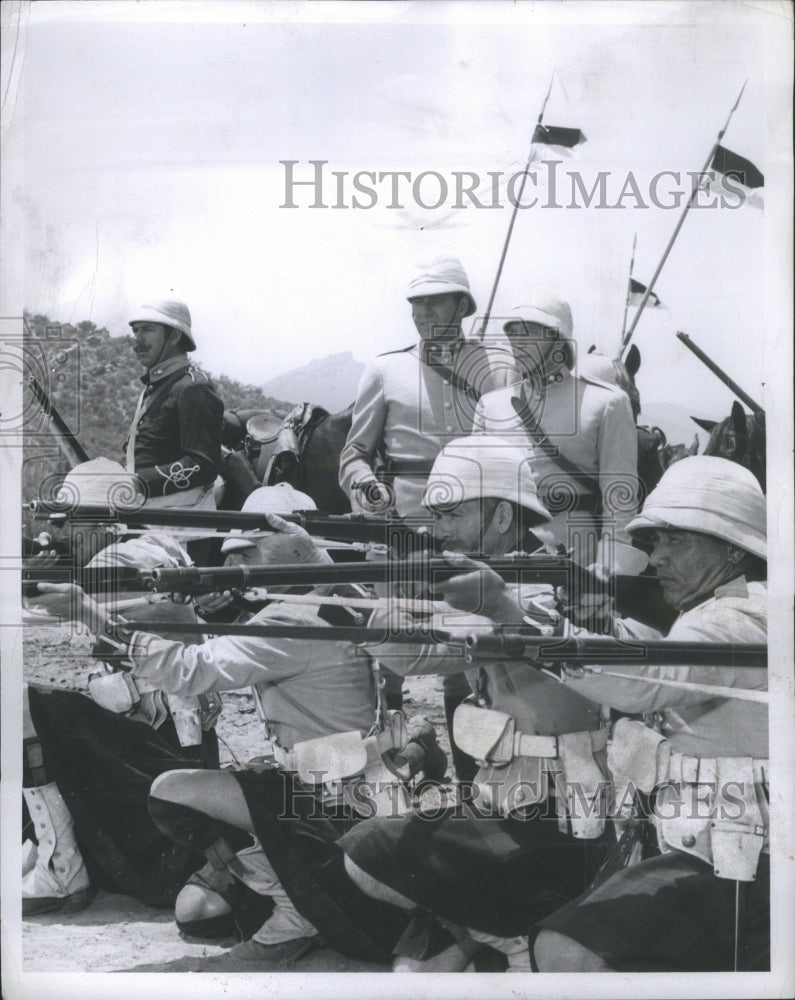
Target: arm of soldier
{"x": 426, "y": 657}
{"x": 630, "y": 695}
{"x": 618, "y": 470}
{"x": 366, "y": 433}
{"x": 200, "y": 414}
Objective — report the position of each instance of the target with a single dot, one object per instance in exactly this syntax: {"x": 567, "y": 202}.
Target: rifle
{"x": 105, "y": 580}
{"x": 68, "y": 442}
{"x": 716, "y": 370}
{"x": 512, "y": 643}
{"x": 541, "y": 568}
{"x": 337, "y": 527}
{"x": 509, "y": 643}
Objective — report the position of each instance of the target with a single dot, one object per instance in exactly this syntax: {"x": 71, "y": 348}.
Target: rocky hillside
{"x": 92, "y": 378}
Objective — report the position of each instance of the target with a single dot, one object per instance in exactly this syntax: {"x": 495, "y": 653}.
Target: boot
{"x": 58, "y": 880}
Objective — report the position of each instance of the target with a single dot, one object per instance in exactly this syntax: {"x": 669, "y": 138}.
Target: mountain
{"x": 329, "y": 382}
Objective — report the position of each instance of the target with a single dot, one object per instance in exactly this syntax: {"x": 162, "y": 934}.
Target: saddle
{"x": 291, "y": 443}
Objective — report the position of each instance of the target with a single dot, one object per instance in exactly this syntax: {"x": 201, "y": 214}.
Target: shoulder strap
{"x": 540, "y": 438}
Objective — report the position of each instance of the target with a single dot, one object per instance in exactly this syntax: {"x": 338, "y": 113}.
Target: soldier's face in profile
{"x": 465, "y": 527}
{"x": 149, "y": 339}
{"x": 438, "y": 317}
{"x": 689, "y": 565}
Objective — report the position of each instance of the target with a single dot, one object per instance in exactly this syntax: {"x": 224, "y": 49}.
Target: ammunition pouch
{"x": 124, "y": 694}
{"x": 716, "y": 809}
{"x": 117, "y": 692}
{"x": 351, "y": 767}
{"x": 637, "y": 759}
{"x": 713, "y": 808}
{"x": 515, "y": 768}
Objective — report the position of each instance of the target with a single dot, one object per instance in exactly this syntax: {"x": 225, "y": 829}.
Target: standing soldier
{"x": 174, "y": 443}
{"x": 579, "y": 432}
{"x": 411, "y": 401}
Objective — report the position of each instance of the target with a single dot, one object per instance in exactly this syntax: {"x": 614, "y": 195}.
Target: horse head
{"x": 741, "y": 437}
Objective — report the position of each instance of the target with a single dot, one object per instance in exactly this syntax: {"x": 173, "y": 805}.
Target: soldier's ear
{"x": 461, "y": 308}
{"x": 503, "y": 516}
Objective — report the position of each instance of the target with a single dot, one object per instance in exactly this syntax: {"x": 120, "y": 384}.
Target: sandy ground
{"x": 116, "y": 933}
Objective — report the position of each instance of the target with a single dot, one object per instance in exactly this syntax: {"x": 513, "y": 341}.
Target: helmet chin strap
{"x": 166, "y": 343}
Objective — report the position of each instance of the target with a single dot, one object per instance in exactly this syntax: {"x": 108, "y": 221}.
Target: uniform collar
{"x": 439, "y": 352}
{"x": 165, "y": 368}
{"x": 553, "y": 376}
{"x": 738, "y": 587}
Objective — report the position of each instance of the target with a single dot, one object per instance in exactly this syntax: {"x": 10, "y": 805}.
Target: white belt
{"x": 692, "y": 770}
{"x": 525, "y": 745}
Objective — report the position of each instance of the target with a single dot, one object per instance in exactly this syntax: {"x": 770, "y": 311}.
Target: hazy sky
{"x": 142, "y": 149}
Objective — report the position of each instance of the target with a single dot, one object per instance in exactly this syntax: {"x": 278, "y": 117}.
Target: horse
{"x": 670, "y": 453}
{"x": 741, "y": 437}
{"x": 302, "y": 449}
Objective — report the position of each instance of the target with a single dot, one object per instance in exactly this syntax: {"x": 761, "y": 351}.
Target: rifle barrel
{"x": 556, "y": 570}
{"x": 335, "y": 633}
{"x": 606, "y": 651}
{"x": 339, "y": 527}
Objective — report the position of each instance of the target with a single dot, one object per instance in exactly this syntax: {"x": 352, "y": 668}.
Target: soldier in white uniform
{"x": 410, "y": 402}
{"x": 579, "y": 432}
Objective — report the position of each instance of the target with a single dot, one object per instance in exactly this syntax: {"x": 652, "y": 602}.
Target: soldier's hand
{"x": 374, "y": 497}
{"x": 71, "y": 603}
{"x": 592, "y": 610}
{"x": 476, "y": 588}
{"x": 210, "y": 604}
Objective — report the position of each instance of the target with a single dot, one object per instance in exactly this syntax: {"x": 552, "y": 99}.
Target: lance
{"x": 514, "y": 644}
{"x": 487, "y": 314}
{"x": 629, "y": 289}
{"x": 688, "y": 205}
{"x": 68, "y": 442}
{"x": 339, "y": 527}
{"x": 716, "y": 370}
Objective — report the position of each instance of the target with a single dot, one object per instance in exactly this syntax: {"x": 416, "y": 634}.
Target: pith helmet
{"x": 279, "y": 499}
{"x": 171, "y": 312}
{"x": 546, "y": 308}
{"x": 710, "y": 495}
{"x": 480, "y": 466}
{"x": 440, "y": 276}
{"x": 100, "y": 482}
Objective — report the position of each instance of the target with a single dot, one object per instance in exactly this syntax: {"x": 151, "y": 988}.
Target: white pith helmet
{"x": 280, "y": 499}
{"x": 709, "y": 495}
{"x": 480, "y": 466}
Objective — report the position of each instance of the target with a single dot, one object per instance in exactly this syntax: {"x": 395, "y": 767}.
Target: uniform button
{"x": 448, "y": 406}
{"x": 688, "y": 840}
{"x": 447, "y": 381}
{"x": 449, "y": 429}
